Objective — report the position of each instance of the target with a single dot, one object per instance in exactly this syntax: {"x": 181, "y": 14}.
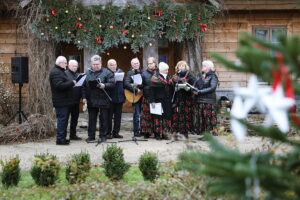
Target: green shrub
{"x": 78, "y": 167}
{"x": 11, "y": 172}
{"x": 114, "y": 164}
{"x": 45, "y": 169}
{"x": 148, "y": 164}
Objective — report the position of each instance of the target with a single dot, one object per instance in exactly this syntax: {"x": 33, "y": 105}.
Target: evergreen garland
{"x": 101, "y": 27}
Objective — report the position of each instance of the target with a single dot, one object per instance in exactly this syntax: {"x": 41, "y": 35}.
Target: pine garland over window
{"x": 101, "y": 27}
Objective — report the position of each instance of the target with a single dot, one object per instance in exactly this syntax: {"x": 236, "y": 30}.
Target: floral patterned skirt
{"x": 182, "y": 119}
{"x": 162, "y": 125}
{"x": 146, "y": 118}
{"x": 205, "y": 117}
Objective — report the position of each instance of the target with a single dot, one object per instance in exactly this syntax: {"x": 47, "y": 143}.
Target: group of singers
{"x": 188, "y": 103}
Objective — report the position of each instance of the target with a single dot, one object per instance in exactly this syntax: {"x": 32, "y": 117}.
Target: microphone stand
{"x": 133, "y": 139}
{"x": 99, "y": 81}
{"x": 176, "y": 85}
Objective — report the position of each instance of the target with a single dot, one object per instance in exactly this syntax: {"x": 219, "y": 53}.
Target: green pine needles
{"x": 148, "y": 165}
{"x": 101, "y": 27}
{"x": 78, "y": 168}
{"x": 114, "y": 164}
{"x": 45, "y": 170}
{"x": 256, "y": 175}
{"x": 11, "y": 172}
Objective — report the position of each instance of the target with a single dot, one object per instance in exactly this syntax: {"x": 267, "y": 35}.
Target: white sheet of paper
{"x": 137, "y": 79}
{"x": 80, "y": 82}
{"x": 157, "y": 110}
{"x": 119, "y": 76}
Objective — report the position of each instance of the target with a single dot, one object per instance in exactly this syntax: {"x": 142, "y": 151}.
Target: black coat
{"x": 180, "y": 78}
{"x": 162, "y": 90}
{"x": 207, "y": 88}
{"x": 61, "y": 87}
{"x": 147, "y": 90}
{"x": 128, "y": 80}
{"x": 96, "y": 97}
{"x": 76, "y": 91}
{"x": 117, "y": 93}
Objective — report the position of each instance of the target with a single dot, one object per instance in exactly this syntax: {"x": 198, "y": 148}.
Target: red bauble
{"x": 176, "y": 37}
{"x": 47, "y": 20}
{"x": 53, "y": 12}
{"x": 84, "y": 30}
{"x": 199, "y": 19}
{"x": 185, "y": 19}
{"x": 124, "y": 31}
{"x": 98, "y": 39}
{"x": 79, "y": 25}
{"x": 78, "y": 18}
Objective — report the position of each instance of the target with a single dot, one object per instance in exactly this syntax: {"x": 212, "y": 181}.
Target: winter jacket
{"x": 117, "y": 93}
{"x": 97, "y": 97}
{"x": 76, "y": 91}
{"x": 162, "y": 90}
{"x": 128, "y": 80}
{"x": 206, "y": 88}
{"x": 180, "y": 78}
{"x": 61, "y": 87}
{"x": 147, "y": 90}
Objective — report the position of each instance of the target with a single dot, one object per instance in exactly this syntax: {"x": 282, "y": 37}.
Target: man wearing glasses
{"x": 61, "y": 88}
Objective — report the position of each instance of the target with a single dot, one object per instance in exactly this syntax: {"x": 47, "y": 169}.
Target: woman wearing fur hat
{"x": 182, "y": 119}
{"x": 205, "y": 99}
{"x": 162, "y": 93}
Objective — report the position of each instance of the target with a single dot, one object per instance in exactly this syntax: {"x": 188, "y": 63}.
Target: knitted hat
{"x": 163, "y": 66}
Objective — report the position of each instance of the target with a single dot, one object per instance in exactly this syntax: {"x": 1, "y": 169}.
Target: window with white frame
{"x": 269, "y": 33}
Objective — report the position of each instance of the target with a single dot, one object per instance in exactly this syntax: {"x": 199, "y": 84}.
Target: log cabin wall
{"x": 243, "y": 15}
{"x": 12, "y": 43}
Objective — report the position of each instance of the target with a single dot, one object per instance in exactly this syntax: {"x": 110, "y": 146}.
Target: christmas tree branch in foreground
{"x": 256, "y": 175}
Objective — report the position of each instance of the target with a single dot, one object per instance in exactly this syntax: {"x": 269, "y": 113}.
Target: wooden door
{"x": 166, "y": 54}
{"x": 71, "y": 52}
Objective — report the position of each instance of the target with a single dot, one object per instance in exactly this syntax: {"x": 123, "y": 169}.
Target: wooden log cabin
{"x": 263, "y": 18}
{"x": 259, "y": 17}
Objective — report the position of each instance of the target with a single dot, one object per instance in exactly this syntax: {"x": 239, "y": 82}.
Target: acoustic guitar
{"x": 131, "y": 97}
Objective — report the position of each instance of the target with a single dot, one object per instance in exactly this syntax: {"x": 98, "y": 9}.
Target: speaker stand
{"x": 20, "y": 113}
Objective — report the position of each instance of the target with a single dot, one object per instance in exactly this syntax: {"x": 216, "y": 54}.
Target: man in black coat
{"x": 98, "y": 82}
{"x": 118, "y": 98}
{"x": 129, "y": 85}
{"x": 61, "y": 88}
{"x": 75, "y": 99}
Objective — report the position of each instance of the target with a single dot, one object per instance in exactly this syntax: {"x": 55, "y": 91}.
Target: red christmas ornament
{"x": 85, "y": 31}
{"x": 47, "y": 20}
{"x": 125, "y": 25}
{"x": 159, "y": 13}
{"x": 280, "y": 76}
{"x": 53, "y": 12}
{"x": 98, "y": 39}
{"x": 203, "y": 27}
{"x": 176, "y": 37}
{"x": 78, "y": 25}
{"x": 185, "y": 19}
{"x": 199, "y": 19}
{"x": 78, "y": 18}
{"x": 124, "y": 31}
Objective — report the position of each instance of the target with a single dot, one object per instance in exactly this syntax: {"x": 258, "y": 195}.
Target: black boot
{"x": 109, "y": 136}
{"x": 117, "y": 135}
{"x": 157, "y": 136}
